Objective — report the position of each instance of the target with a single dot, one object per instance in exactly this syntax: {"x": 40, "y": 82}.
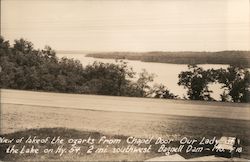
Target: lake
{"x": 167, "y": 74}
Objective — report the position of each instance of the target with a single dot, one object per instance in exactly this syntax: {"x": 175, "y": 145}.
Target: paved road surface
{"x": 127, "y": 104}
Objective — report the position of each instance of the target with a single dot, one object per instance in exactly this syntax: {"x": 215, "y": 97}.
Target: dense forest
{"x": 222, "y": 57}
{"x": 26, "y": 68}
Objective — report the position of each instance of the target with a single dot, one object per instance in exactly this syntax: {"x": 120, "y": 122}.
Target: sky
{"x": 129, "y": 25}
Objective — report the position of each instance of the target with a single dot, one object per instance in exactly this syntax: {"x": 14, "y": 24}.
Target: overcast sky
{"x": 129, "y": 25}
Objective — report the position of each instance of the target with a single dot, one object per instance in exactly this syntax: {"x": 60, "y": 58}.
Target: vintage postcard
{"x": 125, "y": 80}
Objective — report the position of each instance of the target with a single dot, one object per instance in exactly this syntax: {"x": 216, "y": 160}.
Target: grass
{"x": 70, "y": 123}
{"x": 66, "y": 134}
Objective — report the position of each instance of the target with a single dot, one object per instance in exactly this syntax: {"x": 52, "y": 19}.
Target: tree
{"x": 23, "y": 67}
{"x": 237, "y": 81}
{"x": 196, "y": 80}
{"x": 6, "y": 67}
{"x": 23, "y": 45}
{"x": 109, "y": 78}
{"x": 142, "y": 83}
{"x": 160, "y": 91}
{"x": 4, "y": 45}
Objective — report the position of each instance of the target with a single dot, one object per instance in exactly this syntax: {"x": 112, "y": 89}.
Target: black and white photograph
{"x": 124, "y": 80}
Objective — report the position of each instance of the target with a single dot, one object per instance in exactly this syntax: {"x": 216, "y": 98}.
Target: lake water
{"x": 167, "y": 74}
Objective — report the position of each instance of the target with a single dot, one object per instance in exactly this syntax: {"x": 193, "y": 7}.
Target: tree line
{"x": 236, "y": 58}
{"x": 26, "y": 68}
{"x": 235, "y": 80}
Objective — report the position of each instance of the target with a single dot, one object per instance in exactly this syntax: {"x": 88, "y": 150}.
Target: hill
{"x": 221, "y": 57}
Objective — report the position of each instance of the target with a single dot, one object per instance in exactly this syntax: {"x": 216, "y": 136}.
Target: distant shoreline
{"x": 222, "y": 57}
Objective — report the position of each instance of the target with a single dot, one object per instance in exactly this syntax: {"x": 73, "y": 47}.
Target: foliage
{"x": 142, "y": 83}
{"x": 237, "y": 81}
{"x": 184, "y": 57}
{"x": 108, "y": 79}
{"x": 160, "y": 91}
{"x": 23, "y": 67}
{"x": 196, "y": 80}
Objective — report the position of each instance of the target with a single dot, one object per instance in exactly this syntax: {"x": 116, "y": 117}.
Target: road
{"x": 127, "y": 104}
{"x": 139, "y": 117}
